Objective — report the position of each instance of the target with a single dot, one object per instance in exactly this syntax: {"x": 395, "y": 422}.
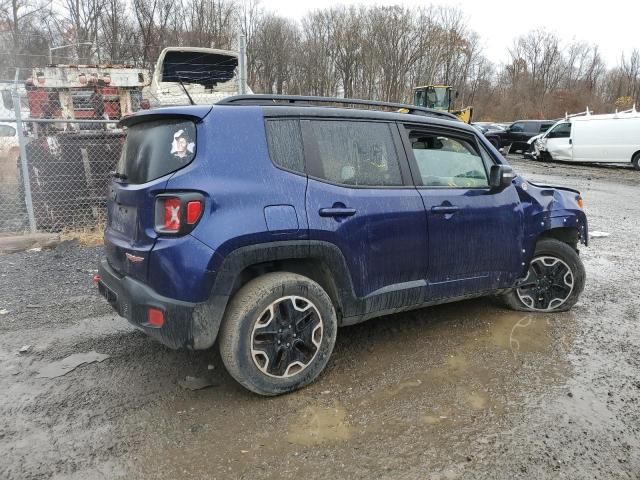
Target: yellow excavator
{"x": 438, "y": 97}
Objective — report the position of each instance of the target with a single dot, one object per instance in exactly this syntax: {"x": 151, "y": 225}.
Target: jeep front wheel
{"x": 554, "y": 280}
{"x": 278, "y": 333}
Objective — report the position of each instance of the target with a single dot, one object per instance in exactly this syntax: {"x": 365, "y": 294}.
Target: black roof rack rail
{"x": 300, "y": 100}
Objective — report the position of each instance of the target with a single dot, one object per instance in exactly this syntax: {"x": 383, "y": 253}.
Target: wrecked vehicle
{"x": 193, "y": 75}
{"x": 584, "y": 137}
{"x": 267, "y": 222}
{"x": 516, "y": 137}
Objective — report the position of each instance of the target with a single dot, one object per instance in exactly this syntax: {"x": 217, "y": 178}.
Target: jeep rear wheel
{"x": 278, "y": 333}
{"x": 636, "y": 161}
{"x": 554, "y": 280}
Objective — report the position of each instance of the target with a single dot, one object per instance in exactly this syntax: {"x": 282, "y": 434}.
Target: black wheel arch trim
{"x": 349, "y": 308}
{"x": 211, "y": 313}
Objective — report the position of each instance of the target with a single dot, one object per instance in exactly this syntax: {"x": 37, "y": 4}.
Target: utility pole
{"x": 242, "y": 63}
{"x": 23, "y": 154}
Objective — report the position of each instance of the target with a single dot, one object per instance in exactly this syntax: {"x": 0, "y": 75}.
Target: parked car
{"x": 9, "y": 145}
{"x": 268, "y": 225}
{"x": 485, "y": 127}
{"x": 516, "y": 136}
{"x": 611, "y": 138}
{"x": 9, "y": 154}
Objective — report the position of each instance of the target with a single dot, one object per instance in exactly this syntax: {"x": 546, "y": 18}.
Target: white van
{"x": 610, "y": 138}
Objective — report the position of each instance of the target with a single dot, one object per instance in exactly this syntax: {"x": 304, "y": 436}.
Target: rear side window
{"x": 156, "y": 148}
{"x": 285, "y": 144}
{"x": 356, "y": 153}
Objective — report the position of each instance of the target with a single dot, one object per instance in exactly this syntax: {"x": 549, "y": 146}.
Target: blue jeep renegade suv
{"x": 267, "y": 222}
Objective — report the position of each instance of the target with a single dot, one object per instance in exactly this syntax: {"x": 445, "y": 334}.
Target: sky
{"x": 612, "y": 25}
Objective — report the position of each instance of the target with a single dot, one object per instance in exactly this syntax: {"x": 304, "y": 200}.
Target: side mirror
{"x": 500, "y": 177}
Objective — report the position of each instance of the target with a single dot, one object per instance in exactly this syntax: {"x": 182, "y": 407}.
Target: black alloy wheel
{"x": 286, "y": 337}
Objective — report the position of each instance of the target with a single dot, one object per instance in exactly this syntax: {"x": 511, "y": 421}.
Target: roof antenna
{"x": 185, "y": 92}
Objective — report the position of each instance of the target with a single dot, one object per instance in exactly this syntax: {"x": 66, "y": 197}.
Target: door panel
{"x": 475, "y": 234}
{"x": 477, "y": 247}
{"x": 360, "y": 198}
{"x": 560, "y": 148}
{"x": 383, "y": 241}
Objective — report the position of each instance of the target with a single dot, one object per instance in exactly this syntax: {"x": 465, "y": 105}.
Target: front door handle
{"x": 337, "y": 212}
{"x": 445, "y": 209}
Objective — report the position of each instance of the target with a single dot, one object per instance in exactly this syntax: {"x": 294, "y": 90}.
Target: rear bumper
{"x": 132, "y": 299}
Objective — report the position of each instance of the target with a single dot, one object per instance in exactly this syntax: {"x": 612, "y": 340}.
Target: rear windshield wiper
{"x": 119, "y": 175}
{"x": 186, "y": 92}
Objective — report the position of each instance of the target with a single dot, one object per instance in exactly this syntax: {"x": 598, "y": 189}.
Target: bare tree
{"x": 19, "y": 18}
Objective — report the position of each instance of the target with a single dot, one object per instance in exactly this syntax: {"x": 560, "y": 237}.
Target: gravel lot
{"x": 466, "y": 390}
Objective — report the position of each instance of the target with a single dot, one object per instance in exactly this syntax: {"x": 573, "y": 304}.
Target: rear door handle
{"x": 337, "y": 212}
{"x": 445, "y": 209}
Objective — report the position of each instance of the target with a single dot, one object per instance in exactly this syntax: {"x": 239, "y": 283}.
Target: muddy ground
{"x": 466, "y": 390}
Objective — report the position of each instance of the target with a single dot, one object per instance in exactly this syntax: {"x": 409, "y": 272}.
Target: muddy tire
{"x": 636, "y": 161}
{"x": 278, "y": 333}
{"x": 554, "y": 281}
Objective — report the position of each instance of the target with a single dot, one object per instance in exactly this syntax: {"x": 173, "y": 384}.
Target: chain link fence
{"x": 54, "y": 173}
{"x": 59, "y": 133}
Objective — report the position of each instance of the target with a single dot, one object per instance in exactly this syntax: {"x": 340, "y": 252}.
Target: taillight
{"x": 178, "y": 213}
{"x": 194, "y": 209}
{"x": 171, "y": 206}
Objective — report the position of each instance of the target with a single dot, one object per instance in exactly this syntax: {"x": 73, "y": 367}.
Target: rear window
{"x": 156, "y": 148}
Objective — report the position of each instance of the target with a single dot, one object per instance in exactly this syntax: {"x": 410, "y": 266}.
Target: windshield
{"x": 433, "y": 97}
{"x": 156, "y": 148}
{"x": 438, "y": 98}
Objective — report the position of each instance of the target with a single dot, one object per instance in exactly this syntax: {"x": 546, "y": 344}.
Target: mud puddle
{"x": 425, "y": 376}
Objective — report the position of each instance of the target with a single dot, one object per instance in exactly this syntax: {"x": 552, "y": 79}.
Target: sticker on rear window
{"x": 182, "y": 147}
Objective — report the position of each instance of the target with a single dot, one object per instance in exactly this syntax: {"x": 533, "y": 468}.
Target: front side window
{"x": 560, "y": 131}
{"x": 517, "y": 127}
{"x": 356, "y": 153}
{"x": 445, "y": 161}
